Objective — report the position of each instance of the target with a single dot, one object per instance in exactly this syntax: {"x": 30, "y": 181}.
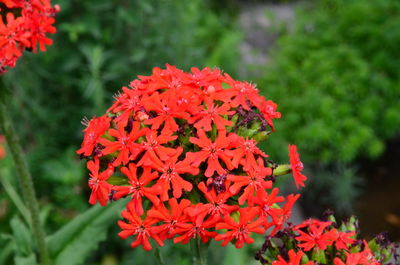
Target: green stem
{"x": 199, "y": 251}
{"x": 157, "y": 254}
{"x": 25, "y": 179}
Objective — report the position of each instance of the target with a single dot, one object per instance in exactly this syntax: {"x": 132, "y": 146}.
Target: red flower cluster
{"x": 319, "y": 235}
{"x": 183, "y": 147}
{"x": 324, "y": 242}
{"x": 24, "y": 25}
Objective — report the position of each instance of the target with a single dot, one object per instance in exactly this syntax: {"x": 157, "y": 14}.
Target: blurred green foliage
{"x": 335, "y": 76}
{"x": 336, "y": 80}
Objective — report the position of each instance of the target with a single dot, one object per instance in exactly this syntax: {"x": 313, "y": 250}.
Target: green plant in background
{"x": 337, "y": 72}
{"x": 98, "y": 43}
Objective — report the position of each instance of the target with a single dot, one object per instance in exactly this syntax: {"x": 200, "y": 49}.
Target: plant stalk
{"x": 25, "y": 180}
{"x": 199, "y": 251}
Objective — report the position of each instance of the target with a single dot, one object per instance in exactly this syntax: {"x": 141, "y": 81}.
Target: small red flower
{"x": 344, "y": 240}
{"x": 126, "y": 104}
{"x": 217, "y": 206}
{"x": 171, "y": 171}
{"x": 153, "y": 146}
{"x": 315, "y": 235}
{"x": 297, "y": 166}
{"x": 96, "y": 127}
{"x": 124, "y": 144}
{"x": 170, "y": 218}
{"x": 265, "y": 201}
{"x": 243, "y": 93}
{"x": 167, "y": 110}
{"x": 268, "y": 109}
{"x": 281, "y": 215}
{"x": 212, "y": 152}
{"x": 294, "y": 259}
{"x": 101, "y": 189}
{"x": 240, "y": 232}
{"x": 197, "y": 227}
{"x": 137, "y": 188}
{"x": 355, "y": 259}
{"x": 246, "y": 151}
{"x": 212, "y": 115}
{"x": 254, "y": 181}
{"x": 142, "y": 229}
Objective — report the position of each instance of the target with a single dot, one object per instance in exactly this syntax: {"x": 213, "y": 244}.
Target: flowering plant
{"x": 183, "y": 147}
{"x": 325, "y": 242}
{"x": 24, "y": 25}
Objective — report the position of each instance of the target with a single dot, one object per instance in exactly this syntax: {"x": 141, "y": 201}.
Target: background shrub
{"x": 335, "y": 76}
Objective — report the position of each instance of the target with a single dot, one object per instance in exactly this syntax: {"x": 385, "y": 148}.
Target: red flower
{"x": 351, "y": 259}
{"x": 94, "y": 130}
{"x": 268, "y": 109}
{"x": 254, "y": 181}
{"x": 98, "y": 182}
{"x": 212, "y": 152}
{"x": 281, "y": 215}
{"x": 265, "y": 201}
{"x": 240, "y": 232}
{"x": 142, "y": 229}
{"x": 167, "y": 111}
{"x": 343, "y": 240}
{"x": 196, "y": 228}
{"x": 297, "y": 166}
{"x": 153, "y": 145}
{"x": 294, "y": 259}
{"x": 137, "y": 188}
{"x": 10, "y": 36}
{"x": 128, "y": 104}
{"x": 367, "y": 257}
{"x": 243, "y": 93}
{"x": 42, "y": 26}
{"x": 128, "y": 149}
{"x": 315, "y": 235}
{"x": 171, "y": 218}
{"x": 217, "y": 206}
{"x": 171, "y": 170}
{"x": 204, "y": 118}
{"x": 245, "y": 152}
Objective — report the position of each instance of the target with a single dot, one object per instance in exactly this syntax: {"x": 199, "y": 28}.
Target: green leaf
{"x": 30, "y": 260}
{"x": 6, "y": 249}
{"x": 15, "y": 198}
{"x": 22, "y": 236}
{"x": 73, "y": 242}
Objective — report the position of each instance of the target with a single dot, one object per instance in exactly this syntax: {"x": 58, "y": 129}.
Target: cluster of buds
{"x": 325, "y": 242}
{"x": 24, "y": 25}
{"x": 183, "y": 147}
